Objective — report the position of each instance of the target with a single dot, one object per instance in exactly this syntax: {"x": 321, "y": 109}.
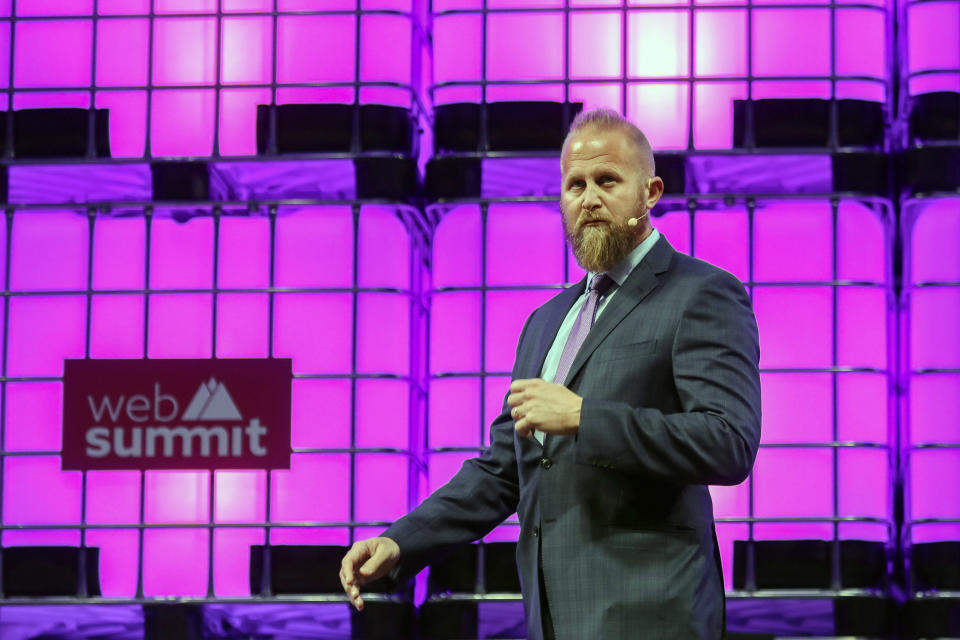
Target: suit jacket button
{"x": 546, "y": 463}
{"x": 536, "y": 531}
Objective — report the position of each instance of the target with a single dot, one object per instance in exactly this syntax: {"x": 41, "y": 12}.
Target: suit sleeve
{"x": 479, "y": 497}
{"x": 714, "y": 439}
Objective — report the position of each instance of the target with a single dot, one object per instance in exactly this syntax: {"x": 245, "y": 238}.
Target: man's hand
{"x": 549, "y": 407}
{"x": 366, "y": 561}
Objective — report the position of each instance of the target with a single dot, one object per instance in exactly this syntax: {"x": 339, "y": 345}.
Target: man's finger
{"x": 514, "y": 399}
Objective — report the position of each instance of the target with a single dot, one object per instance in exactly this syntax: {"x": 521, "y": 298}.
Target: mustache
{"x": 584, "y": 220}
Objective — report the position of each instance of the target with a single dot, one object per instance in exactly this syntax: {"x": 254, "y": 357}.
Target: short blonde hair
{"x": 606, "y": 119}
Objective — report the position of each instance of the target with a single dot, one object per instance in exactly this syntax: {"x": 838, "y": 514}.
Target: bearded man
{"x": 631, "y": 392}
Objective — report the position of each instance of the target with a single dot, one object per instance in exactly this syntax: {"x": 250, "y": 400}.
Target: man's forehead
{"x": 597, "y": 146}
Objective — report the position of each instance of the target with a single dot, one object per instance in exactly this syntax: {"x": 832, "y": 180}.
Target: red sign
{"x": 176, "y": 414}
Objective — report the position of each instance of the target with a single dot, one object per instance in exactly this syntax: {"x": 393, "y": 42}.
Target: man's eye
{"x": 577, "y": 184}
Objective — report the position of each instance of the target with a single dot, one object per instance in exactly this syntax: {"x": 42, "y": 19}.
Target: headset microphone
{"x": 635, "y": 221}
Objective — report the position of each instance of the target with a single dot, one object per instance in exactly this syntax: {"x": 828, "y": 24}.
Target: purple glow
{"x": 242, "y": 325}
{"x": 42, "y": 332}
{"x": 384, "y": 251}
{"x": 119, "y": 253}
{"x": 935, "y": 483}
{"x": 315, "y": 248}
{"x": 244, "y": 252}
{"x": 383, "y": 333}
{"x": 720, "y": 43}
{"x": 861, "y": 45}
{"x": 523, "y": 46}
{"x": 128, "y": 121}
{"x": 721, "y": 238}
{"x": 52, "y": 8}
{"x": 231, "y": 567}
{"x": 455, "y": 329}
{"x": 777, "y": 493}
{"x": 14, "y": 538}
{"x": 932, "y": 254}
{"x": 37, "y": 492}
{"x": 793, "y": 242}
{"x": 454, "y": 412}
{"x": 540, "y": 262}
{"x": 383, "y": 415}
{"x": 184, "y": 51}
{"x": 661, "y": 108}
{"x": 181, "y": 253}
{"x": 457, "y": 260}
{"x": 238, "y": 120}
{"x": 658, "y": 45}
{"x": 858, "y": 497}
{"x": 378, "y": 500}
{"x": 52, "y": 53}
{"x": 118, "y": 561}
{"x": 494, "y": 393}
{"x": 444, "y": 466}
{"x": 314, "y": 330}
{"x": 731, "y": 502}
{"x": 320, "y": 413}
{"x": 180, "y": 326}
{"x": 506, "y": 313}
{"x": 781, "y": 420}
{"x": 304, "y": 40}
{"x": 310, "y": 491}
{"x": 113, "y": 497}
{"x": 595, "y": 45}
{"x": 861, "y": 327}
{"x": 862, "y": 244}
{"x": 116, "y": 326}
{"x": 379, "y": 29}
{"x": 795, "y": 328}
{"x": 311, "y": 535}
{"x": 247, "y": 50}
{"x": 182, "y": 122}
{"x": 34, "y": 415}
{"x": 929, "y": 25}
{"x": 48, "y": 252}
{"x": 122, "y": 53}
{"x": 122, "y": 7}
{"x": 176, "y": 564}
{"x": 676, "y": 227}
{"x": 934, "y": 317}
{"x": 791, "y": 42}
{"x": 185, "y": 6}
{"x": 931, "y": 419}
{"x": 862, "y": 408}
{"x": 177, "y": 497}
{"x": 726, "y": 534}
{"x": 240, "y": 496}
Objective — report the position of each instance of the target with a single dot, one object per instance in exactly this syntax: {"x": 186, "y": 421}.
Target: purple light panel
{"x": 345, "y": 314}
{"x": 642, "y": 60}
{"x": 932, "y": 361}
{"x": 932, "y": 46}
{"x": 799, "y": 249}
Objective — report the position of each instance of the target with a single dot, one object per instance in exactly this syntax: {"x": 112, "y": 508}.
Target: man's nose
{"x": 591, "y": 198}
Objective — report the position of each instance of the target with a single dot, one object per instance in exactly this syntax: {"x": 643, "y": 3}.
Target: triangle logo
{"x": 212, "y": 401}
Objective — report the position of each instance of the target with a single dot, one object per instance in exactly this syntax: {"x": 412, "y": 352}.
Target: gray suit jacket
{"x": 620, "y": 513}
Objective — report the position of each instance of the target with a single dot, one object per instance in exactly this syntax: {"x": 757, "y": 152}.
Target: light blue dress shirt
{"x": 618, "y": 274}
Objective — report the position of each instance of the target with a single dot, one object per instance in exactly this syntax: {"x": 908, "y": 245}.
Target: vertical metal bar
{"x": 691, "y": 54}
{"x": 749, "y": 140}
{"x": 624, "y": 55}
{"x": 355, "y": 307}
{"x": 148, "y": 233}
{"x": 484, "y": 138}
{"x": 835, "y": 577}
{"x": 266, "y": 589}
{"x": 92, "y": 111}
{"x": 217, "y": 213}
{"x": 151, "y": 18}
{"x": 355, "y": 146}
{"x": 750, "y": 574}
{"x": 218, "y": 79}
{"x": 484, "y": 291}
{"x": 11, "y": 69}
{"x": 82, "y": 560}
{"x": 272, "y": 111}
{"x": 833, "y": 139}
{"x": 8, "y": 220}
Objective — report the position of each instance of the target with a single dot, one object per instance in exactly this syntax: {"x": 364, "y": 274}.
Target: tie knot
{"x": 600, "y": 283}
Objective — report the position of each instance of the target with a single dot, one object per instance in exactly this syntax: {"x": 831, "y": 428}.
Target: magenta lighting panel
{"x": 332, "y": 287}
{"x": 931, "y": 362}
{"x": 930, "y": 46}
{"x": 184, "y": 78}
{"x": 674, "y": 66}
{"x": 819, "y": 274}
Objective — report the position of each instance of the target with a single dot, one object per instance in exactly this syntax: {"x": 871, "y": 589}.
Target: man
{"x": 643, "y": 387}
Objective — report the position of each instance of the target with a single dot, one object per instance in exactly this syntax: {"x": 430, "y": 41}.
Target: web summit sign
{"x": 176, "y": 414}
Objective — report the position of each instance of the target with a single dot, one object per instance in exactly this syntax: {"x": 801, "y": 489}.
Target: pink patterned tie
{"x": 599, "y": 285}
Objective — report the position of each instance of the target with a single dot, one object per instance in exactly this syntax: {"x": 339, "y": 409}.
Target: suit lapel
{"x": 638, "y": 285}
{"x": 556, "y": 310}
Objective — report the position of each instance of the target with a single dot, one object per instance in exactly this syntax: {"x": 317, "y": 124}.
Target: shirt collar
{"x": 623, "y": 268}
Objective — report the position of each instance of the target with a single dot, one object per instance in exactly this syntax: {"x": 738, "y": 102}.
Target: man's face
{"x": 604, "y": 185}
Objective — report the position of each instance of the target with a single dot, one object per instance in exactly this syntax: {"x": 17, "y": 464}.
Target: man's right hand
{"x": 366, "y": 561}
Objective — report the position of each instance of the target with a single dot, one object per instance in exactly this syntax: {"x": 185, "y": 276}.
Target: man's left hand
{"x": 545, "y": 406}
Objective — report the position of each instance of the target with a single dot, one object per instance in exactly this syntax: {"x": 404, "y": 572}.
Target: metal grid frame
{"x": 420, "y": 111}
{"x": 624, "y": 81}
{"x": 882, "y": 208}
{"x": 418, "y": 317}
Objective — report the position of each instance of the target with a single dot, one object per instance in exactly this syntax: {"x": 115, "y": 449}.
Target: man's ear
{"x": 654, "y": 191}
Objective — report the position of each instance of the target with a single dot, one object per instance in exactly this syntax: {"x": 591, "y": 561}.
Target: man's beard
{"x": 599, "y": 248}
